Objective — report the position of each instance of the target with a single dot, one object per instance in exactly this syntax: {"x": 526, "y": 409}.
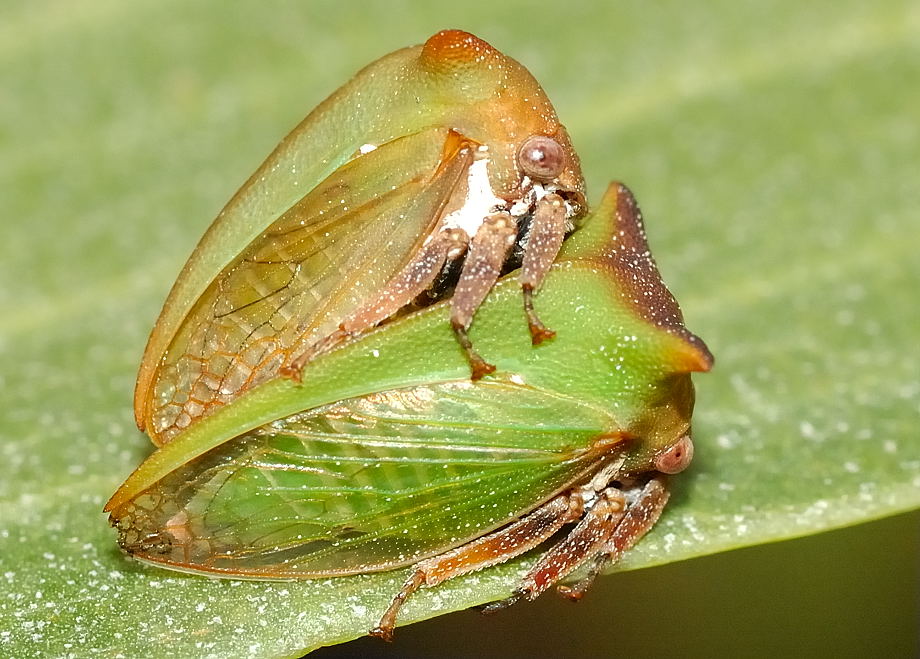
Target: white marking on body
{"x": 480, "y": 201}
{"x": 366, "y": 148}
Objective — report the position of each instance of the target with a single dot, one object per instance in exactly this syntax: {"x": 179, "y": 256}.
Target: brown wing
{"x": 316, "y": 263}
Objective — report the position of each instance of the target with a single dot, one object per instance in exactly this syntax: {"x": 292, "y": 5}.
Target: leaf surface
{"x": 773, "y": 151}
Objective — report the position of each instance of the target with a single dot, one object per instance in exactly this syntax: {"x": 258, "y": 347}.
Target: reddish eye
{"x": 676, "y": 457}
{"x": 541, "y": 157}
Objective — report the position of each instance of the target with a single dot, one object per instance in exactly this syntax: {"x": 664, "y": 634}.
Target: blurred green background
{"x": 774, "y": 148}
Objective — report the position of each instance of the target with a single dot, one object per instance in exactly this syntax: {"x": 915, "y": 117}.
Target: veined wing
{"x": 368, "y": 483}
{"x": 312, "y": 266}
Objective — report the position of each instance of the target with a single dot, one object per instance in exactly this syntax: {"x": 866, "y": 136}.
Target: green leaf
{"x": 773, "y": 149}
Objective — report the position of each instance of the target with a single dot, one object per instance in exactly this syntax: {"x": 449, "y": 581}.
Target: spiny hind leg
{"x": 405, "y": 286}
{"x": 547, "y": 230}
{"x": 640, "y": 517}
{"x": 585, "y": 541}
{"x": 488, "y": 251}
{"x": 491, "y": 549}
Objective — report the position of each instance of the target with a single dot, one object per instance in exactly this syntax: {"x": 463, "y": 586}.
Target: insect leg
{"x": 640, "y": 517}
{"x": 492, "y": 549}
{"x": 418, "y": 275}
{"x": 585, "y": 541}
{"x": 488, "y": 251}
{"x": 547, "y": 229}
{"x": 412, "y": 280}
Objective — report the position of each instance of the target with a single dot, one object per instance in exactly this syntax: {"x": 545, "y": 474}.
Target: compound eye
{"x": 542, "y": 158}
{"x": 676, "y": 457}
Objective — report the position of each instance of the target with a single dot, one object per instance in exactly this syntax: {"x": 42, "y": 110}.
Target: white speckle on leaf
{"x": 808, "y": 431}
{"x": 725, "y": 442}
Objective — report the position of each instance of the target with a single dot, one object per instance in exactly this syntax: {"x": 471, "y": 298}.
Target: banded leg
{"x": 640, "y": 517}
{"x": 410, "y": 282}
{"x": 488, "y": 251}
{"x": 492, "y": 549}
{"x": 586, "y": 540}
{"x": 547, "y": 230}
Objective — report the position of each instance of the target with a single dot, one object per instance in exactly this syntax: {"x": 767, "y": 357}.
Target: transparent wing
{"x": 368, "y": 483}
{"x": 331, "y": 250}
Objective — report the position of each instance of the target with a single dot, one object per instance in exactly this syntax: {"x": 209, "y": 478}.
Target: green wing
{"x": 387, "y": 453}
{"x": 369, "y": 483}
{"x": 309, "y": 268}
